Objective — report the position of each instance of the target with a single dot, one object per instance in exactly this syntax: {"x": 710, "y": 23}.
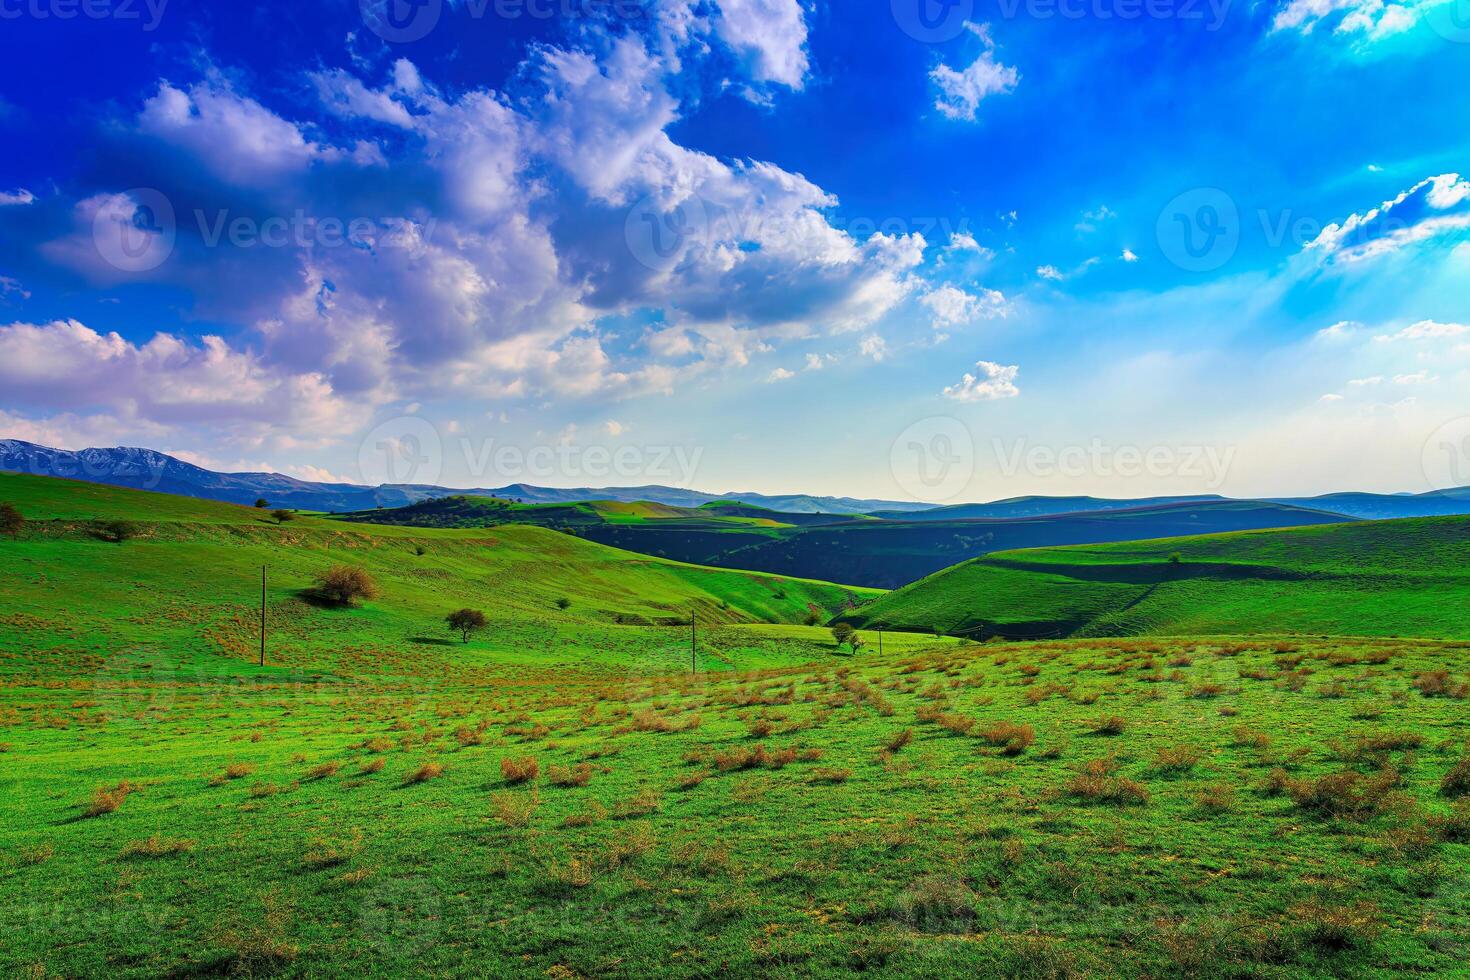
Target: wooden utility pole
{"x": 262, "y": 615}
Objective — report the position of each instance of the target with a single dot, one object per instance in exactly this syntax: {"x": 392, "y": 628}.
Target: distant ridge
{"x": 147, "y": 469}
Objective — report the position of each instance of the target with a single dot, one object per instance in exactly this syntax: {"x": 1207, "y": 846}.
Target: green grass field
{"x": 562, "y": 798}
{"x": 1385, "y": 578}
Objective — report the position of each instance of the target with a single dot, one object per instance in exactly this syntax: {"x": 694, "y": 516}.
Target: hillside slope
{"x": 187, "y": 586}
{"x": 881, "y": 554}
{"x": 1388, "y": 578}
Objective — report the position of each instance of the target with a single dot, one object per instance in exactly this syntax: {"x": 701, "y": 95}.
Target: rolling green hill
{"x": 877, "y": 553}
{"x": 563, "y": 797}
{"x": 1386, "y": 578}
{"x": 188, "y": 583}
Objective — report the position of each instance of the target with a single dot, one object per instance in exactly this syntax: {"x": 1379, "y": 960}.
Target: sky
{"x": 941, "y": 250}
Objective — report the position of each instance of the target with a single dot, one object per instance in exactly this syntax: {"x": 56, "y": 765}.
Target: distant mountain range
{"x": 147, "y": 469}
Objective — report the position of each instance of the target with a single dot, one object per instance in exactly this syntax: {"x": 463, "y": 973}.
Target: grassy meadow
{"x": 1377, "y": 578}
{"x": 561, "y": 797}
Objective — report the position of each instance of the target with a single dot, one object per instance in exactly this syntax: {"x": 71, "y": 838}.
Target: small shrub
{"x": 106, "y": 800}
{"x": 371, "y": 766}
{"x": 1217, "y": 798}
{"x": 514, "y": 809}
{"x": 1456, "y": 782}
{"x": 238, "y": 770}
{"x": 1176, "y": 759}
{"x": 11, "y": 521}
{"x": 640, "y": 804}
{"x": 517, "y": 771}
{"x": 1109, "y": 726}
{"x": 157, "y": 847}
{"x": 1347, "y": 794}
{"x": 1337, "y": 926}
{"x": 424, "y": 773}
{"x": 1010, "y": 738}
{"x": 1439, "y": 684}
{"x": 578, "y": 775}
{"x": 899, "y": 740}
{"x": 830, "y": 775}
{"x": 323, "y": 771}
{"x": 344, "y": 585}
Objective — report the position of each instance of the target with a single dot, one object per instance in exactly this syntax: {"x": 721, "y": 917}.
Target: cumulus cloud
{"x": 780, "y": 374}
{"x": 951, "y": 306}
{"x": 961, "y": 92}
{"x": 1431, "y": 209}
{"x": 873, "y": 346}
{"x": 770, "y": 35}
{"x": 65, "y": 365}
{"x": 994, "y": 382}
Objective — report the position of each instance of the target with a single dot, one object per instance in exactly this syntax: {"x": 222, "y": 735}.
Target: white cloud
{"x": 873, "y": 346}
{"x": 239, "y": 139}
{"x": 951, "y": 306}
{"x": 1342, "y": 330}
{"x": 167, "y": 381}
{"x": 1367, "y": 20}
{"x": 780, "y": 374}
{"x": 1417, "y": 378}
{"x": 16, "y": 198}
{"x": 770, "y": 34}
{"x": 1366, "y": 382}
{"x": 1432, "y": 208}
{"x": 1050, "y": 272}
{"x": 1128, "y": 255}
{"x": 961, "y": 92}
{"x": 1427, "y": 330}
{"x": 614, "y": 428}
{"x": 815, "y": 362}
{"x": 962, "y": 241}
{"x": 994, "y": 382}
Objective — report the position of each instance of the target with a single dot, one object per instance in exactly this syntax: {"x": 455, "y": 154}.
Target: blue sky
{"x": 1036, "y": 246}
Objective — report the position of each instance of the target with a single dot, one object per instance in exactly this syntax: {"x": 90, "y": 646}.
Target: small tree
{"x": 563, "y": 603}
{"x": 466, "y": 621}
{"x": 843, "y": 634}
{"x": 343, "y": 585}
{"x": 1176, "y": 558}
{"x": 261, "y": 503}
{"x": 117, "y": 531}
{"x": 10, "y": 520}
{"x": 282, "y": 516}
